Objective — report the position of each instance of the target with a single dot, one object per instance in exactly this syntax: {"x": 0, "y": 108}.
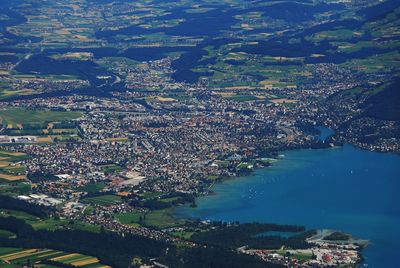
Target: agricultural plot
{"x": 9, "y": 177}
{"x": 49, "y": 224}
{"x": 52, "y": 224}
{"x": 7, "y": 93}
{"x": 46, "y": 126}
{"x": 14, "y": 117}
{"x": 383, "y": 63}
{"x": 19, "y": 256}
{"x": 15, "y": 187}
{"x": 19, "y": 215}
{"x": 10, "y": 169}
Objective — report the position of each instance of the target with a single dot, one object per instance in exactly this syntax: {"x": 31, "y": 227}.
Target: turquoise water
{"x": 344, "y": 188}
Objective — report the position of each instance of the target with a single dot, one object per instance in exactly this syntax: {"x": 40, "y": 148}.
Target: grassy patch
{"x": 92, "y": 187}
{"x": 16, "y": 116}
{"x": 6, "y": 234}
{"x": 183, "y": 234}
{"x": 102, "y": 200}
{"x": 49, "y": 224}
{"x": 20, "y": 187}
{"x": 150, "y": 195}
{"x": 8, "y": 250}
{"x": 19, "y": 215}
{"x": 242, "y": 98}
{"x": 52, "y": 224}
{"x": 131, "y": 218}
{"x": 109, "y": 169}
{"x": 169, "y": 199}
{"x": 162, "y": 219}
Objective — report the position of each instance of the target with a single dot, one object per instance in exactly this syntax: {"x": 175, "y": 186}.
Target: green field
{"x": 297, "y": 256}
{"x": 131, "y": 218}
{"x": 12, "y": 156}
{"x": 52, "y": 224}
{"x": 150, "y": 195}
{"x": 16, "y": 116}
{"x": 102, "y": 200}
{"x": 4, "y": 251}
{"x": 240, "y": 98}
{"x": 156, "y": 218}
{"x": 92, "y": 187}
{"x": 112, "y": 168}
{"x": 19, "y": 215}
{"x": 10, "y": 170}
{"x": 183, "y": 234}
{"x": 6, "y": 234}
{"x": 13, "y": 170}
{"x": 49, "y": 224}
{"x": 162, "y": 219}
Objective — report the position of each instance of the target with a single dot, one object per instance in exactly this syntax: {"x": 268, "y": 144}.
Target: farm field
{"x": 13, "y": 117}
{"x": 19, "y": 215}
{"x": 45, "y": 126}
{"x": 49, "y": 224}
{"x": 9, "y": 177}
{"x": 14, "y": 187}
{"x": 16, "y": 257}
{"x": 52, "y": 224}
{"x": 10, "y": 169}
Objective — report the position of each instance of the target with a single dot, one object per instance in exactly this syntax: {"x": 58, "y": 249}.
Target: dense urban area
{"x": 113, "y": 114}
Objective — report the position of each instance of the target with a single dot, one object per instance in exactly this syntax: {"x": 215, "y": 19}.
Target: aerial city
{"x": 199, "y": 133}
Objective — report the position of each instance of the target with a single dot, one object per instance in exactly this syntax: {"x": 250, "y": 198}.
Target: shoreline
{"x": 362, "y": 247}
{"x": 274, "y": 160}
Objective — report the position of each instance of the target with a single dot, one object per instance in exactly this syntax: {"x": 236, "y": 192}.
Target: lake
{"x": 344, "y": 188}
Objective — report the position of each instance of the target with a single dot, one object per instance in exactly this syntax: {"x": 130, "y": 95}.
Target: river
{"x": 343, "y": 188}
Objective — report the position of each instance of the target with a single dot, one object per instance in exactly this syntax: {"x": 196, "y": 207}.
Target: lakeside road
{"x": 345, "y": 188}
